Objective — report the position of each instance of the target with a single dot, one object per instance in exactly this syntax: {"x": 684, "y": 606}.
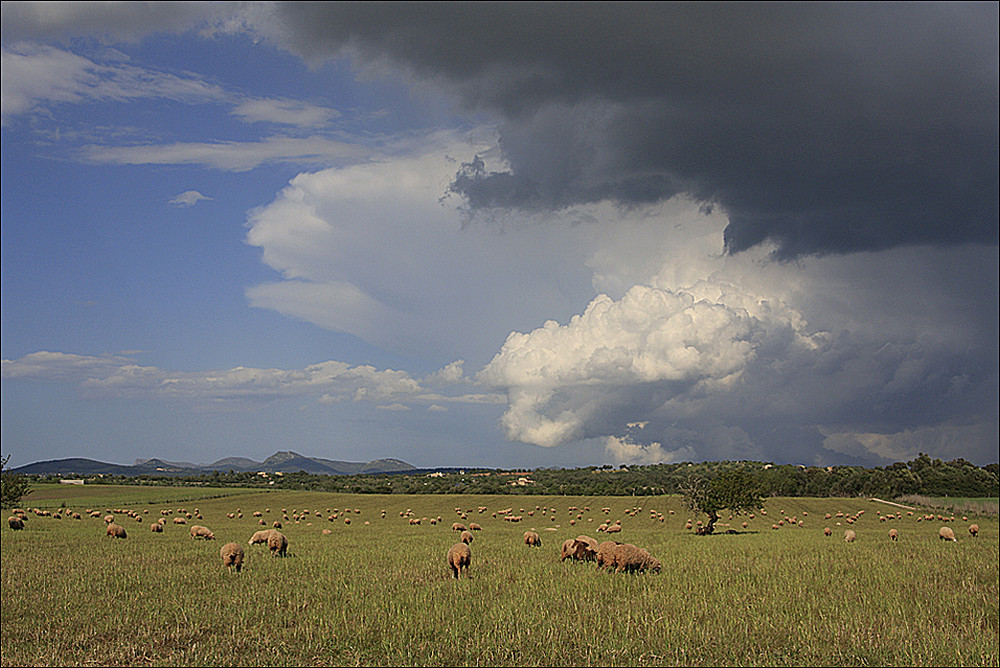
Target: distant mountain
{"x": 284, "y": 461}
{"x": 234, "y": 464}
{"x": 165, "y": 463}
{"x": 73, "y": 466}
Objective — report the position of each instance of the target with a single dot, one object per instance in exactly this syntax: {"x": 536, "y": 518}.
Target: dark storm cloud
{"x": 820, "y": 127}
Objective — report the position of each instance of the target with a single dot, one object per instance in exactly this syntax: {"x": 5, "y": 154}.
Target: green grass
{"x": 381, "y": 594}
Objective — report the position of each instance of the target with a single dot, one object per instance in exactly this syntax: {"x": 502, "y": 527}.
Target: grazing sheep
{"x": 946, "y": 533}
{"x": 533, "y": 539}
{"x": 974, "y": 530}
{"x": 198, "y": 531}
{"x": 15, "y": 523}
{"x": 466, "y": 537}
{"x": 180, "y": 520}
{"x": 850, "y": 536}
{"x": 893, "y": 534}
{"x": 459, "y": 559}
{"x": 457, "y": 526}
{"x": 475, "y": 527}
{"x": 156, "y": 527}
{"x": 631, "y": 559}
{"x": 116, "y": 531}
{"x": 827, "y": 531}
{"x": 567, "y": 549}
{"x": 259, "y": 537}
{"x": 581, "y": 548}
{"x": 606, "y": 554}
{"x": 277, "y": 543}
{"x": 277, "y": 524}
{"x": 232, "y": 555}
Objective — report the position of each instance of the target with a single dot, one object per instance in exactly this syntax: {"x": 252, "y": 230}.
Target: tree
{"x": 734, "y": 490}
{"x": 13, "y": 487}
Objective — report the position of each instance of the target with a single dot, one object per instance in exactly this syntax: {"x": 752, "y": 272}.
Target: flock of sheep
{"x": 608, "y": 555}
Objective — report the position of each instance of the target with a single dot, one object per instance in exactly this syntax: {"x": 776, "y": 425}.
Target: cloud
{"x": 188, "y": 198}
{"x": 815, "y": 128}
{"x": 36, "y": 76}
{"x": 229, "y": 155}
{"x": 713, "y": 371}
{"x": 373, "y": 250}
{"x": 119, "y": 21}
{"x": 326, "y": 382}
{"x": 666, "y": 344}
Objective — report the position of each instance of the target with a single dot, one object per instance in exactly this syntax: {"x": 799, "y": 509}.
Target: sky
{"x": 511, "y": 235}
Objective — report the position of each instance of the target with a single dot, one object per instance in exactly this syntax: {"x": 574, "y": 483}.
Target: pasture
{"x": 378, "y": 591}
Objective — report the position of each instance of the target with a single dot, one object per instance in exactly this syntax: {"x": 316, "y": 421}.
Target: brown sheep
{"x": 827, "y": 531}
{"x": 459, "y": 559}
{"x": 457, "y": 526}
{"x": 156, "y": 527}
{"x": 631, "y": 559}
{"x": 581, "y": 548}
{"x": 467, "y": 537}
{"x": 202, "y": 532}
{"x": 475, "y": 527}
{"x": 180, "y": 520}
{"x": 533, "y": 539}
{"x": 15, "y": 523}
{"x": 606, "y": 554}
{"x": 850, "y": 536}
{"x": 974, "y": 530}
{"x": 567, "y": 549}
{"x": 116, "y": 531}
{"x": 893, "y": 534}
{"x": 946, "y": 533}
{"x": 232, "y": 555}
{"x": 277, "y": 543}
{"x": 259, "y": 537}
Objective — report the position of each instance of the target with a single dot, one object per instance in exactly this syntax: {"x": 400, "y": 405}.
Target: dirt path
{"x": 891, "y": 503}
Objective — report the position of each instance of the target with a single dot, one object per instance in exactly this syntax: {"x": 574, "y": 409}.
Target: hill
{"x": 284, "y": 462}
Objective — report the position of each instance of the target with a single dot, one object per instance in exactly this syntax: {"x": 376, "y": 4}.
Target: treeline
{"x": 922, "y": 476}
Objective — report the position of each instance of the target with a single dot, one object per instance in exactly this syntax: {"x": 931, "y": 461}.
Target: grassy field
{"x": 378, "y": 591}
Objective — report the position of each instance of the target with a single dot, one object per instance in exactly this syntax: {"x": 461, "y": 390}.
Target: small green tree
{"x": 734, "y": 490}
{"x": 12, "y": 487}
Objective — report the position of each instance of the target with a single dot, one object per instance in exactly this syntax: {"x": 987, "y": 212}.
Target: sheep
{"x": 277, "y": 543}
{"x": 232, "y": 555}
{"x": 533, "y": 539}
{"x": 198, "y": 531}
{"x": 457, "y": 526}
{"x": 259, "y": 537}
{"x": 974, "y": 530}
{"x": 827, "y": 531}
{"x": 605, "y": 554}
{"x": 466, "y": 537}
{"x": 475, "y": 527}
{"x": 629, "y": 558}
{"x": 116, "y": 531}
{"x": 180, "y": 520}
{"x": 581, "y": 548}
{"x": 156, "y": 527}
{"x": 15, "y": 523}
{"x": 459, "y": 559}
{"x": 850, "y": 536}
{"x": 893, "y": 534}
{"x": 946, "y": 533}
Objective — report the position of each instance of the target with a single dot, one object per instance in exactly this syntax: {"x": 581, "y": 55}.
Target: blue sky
{"x": 499, "y": 235}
